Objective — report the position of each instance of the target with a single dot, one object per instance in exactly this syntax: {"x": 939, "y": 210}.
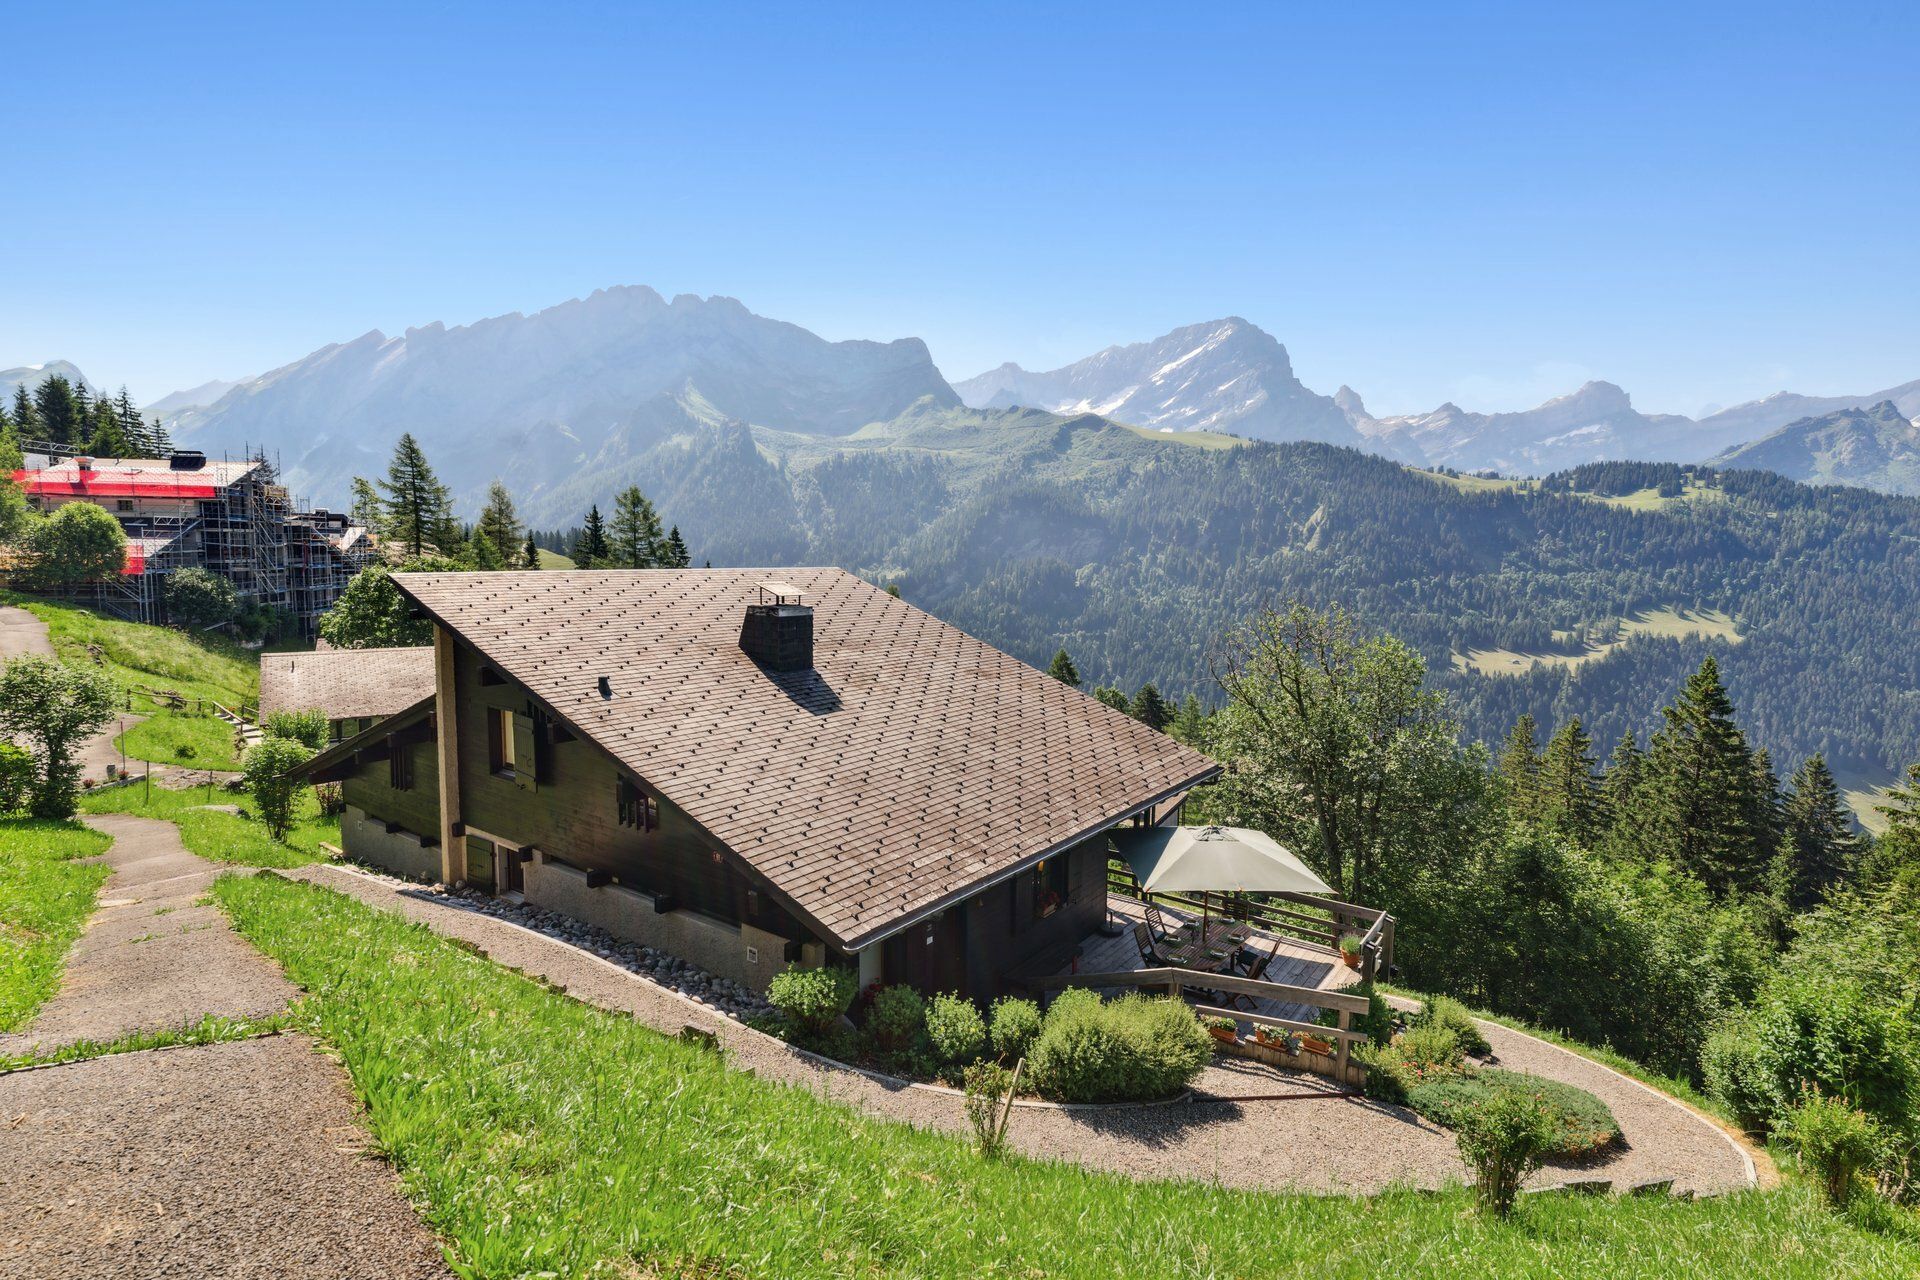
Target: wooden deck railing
{"x": 1177, "y": 982}
{"x": 1316, "y": 921}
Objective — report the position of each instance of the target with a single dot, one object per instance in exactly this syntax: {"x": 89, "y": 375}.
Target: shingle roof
{"x": 346, "y": 682}
{"x": 910, "y": 764}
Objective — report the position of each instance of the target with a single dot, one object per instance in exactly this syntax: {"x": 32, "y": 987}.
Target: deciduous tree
{"x": 53, "y": 709}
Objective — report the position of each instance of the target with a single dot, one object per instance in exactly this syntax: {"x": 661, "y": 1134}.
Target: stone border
{"x": 833, "y": 1064}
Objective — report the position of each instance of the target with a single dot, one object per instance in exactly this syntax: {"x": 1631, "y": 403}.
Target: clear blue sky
{"x": 1479, "y": 203}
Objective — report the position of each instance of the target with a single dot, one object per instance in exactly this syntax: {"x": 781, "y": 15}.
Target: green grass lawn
{"x": 186, "y": 738}
{"x": 540, "y": 1135}
{"x": 223, "y": 837}
{"x": 45, "y": 898}
{"x": 197, "y": 665}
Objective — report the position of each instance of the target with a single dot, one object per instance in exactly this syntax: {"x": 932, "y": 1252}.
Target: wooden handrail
{"x": 1233, "y": 984}
{"x": 1336, "y": 1034}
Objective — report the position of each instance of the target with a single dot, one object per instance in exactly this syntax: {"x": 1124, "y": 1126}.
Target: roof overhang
{"x": 347, "y": 755}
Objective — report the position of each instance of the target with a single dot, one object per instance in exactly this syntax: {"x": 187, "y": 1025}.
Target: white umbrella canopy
{"x": 1215, "y": 860}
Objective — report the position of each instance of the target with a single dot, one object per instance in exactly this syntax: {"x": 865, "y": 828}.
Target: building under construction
{"x": 183, "y": 511}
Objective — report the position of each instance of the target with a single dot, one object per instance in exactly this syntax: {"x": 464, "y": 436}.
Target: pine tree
{"x": 500, "y": 524}
{"x": 1063, "y": 670}
{"x": 1569, "y": 795}
{"x": 367, "y": 510}
{"x": 106, "y": 439}
{"x": 635, "y": 535}
{"x": 1701, "y": 805}
{"x": 590, "y": 550}
{"x": 1112, "y": 697}
{"x": 26, "y": 419}
{"x": 677, "y": 555}
{"x": 1519, "y": 769}
{"x": 1190, "y": 726}
{"x": 53, "y": 408}
{"x": 158, "y": 438}
{"x": 418, "y": 509}
{"x": 133, "y": 428}
{"x": 530, "y": 554}
{"x": 1150, "y": 709}
{"x": 82, "y": 428}
{"x": 1820, "y": 845}
{"x": 481, "y": 552}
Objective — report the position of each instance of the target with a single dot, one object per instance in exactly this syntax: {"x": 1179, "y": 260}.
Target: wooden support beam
{"x": 453, "y": 837}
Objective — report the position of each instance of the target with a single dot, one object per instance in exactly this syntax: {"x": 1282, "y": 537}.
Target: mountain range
{"x": 32, "y": 375}
{"x": 569, "y": 400}
{"x": 1877, "y": 448}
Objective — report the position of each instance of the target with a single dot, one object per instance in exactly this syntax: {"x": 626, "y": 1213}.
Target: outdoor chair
{"x": 1149, "y": 951}
{"x": 1257, "y": 971}
{"x": 1158, "y": 924}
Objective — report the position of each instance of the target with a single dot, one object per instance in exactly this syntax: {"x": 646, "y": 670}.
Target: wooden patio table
{"x": 1222, "y": 943}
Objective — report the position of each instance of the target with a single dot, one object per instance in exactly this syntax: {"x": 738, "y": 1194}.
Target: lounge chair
{"x": 1149, "y": 950}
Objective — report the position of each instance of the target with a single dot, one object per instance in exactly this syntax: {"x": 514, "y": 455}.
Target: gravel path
{"x": 22, "y": 634}
{"x": 240, "y": 1159}
{"x": 1309, "y": 1140}
{"x": 152, "y": 957}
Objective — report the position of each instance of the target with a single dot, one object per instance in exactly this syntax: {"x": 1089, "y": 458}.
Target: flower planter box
{"x": 1223, "y": 1035}
{"x": 1314, "y": 1044}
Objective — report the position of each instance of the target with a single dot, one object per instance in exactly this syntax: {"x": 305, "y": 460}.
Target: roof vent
{"x": 778, "y": 631}
{"x": 186, "y": 460}
{"x": 83, "y": 463}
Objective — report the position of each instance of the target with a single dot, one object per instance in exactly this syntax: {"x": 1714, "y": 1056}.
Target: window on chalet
{"x": 1049, "y": 887}
{"x": 400, "y": 767}
{"x": 500, "y": 745}
{"x": 124, "y": 504}
{"x": 637, "y": 809}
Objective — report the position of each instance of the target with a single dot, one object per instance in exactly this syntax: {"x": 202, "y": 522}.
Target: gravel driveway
{"x": 240, "y": 1159}
{"x": 1310, "y": 1140}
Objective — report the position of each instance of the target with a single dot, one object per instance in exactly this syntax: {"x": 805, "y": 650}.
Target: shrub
{"x": 813, "y": 999}
{"x": 185, "y": 751}
{"x": 1377, "y": 1021}
{"x": 331, "y": 799}
{"x": 198, "y": 599}
{"x": 267, "y": 767}
{"x": 1445, "y": 1011}
{"x": 1431, "y": 1050}
{"x": 1502, "y": 1139}
{"x": 1830, "y": 1035}
{"x": 52, "y": 709}
{"x": 16, "y": 778}
{"x": 986, "y": 1085}
{"x": 896, "y": 1018}
{"x": 1015, "y": 1024}
{"x": 1072, "y": 1002}
{"x": 1579, "y": 1125}
{"x": 1837, "y": 1140}
{"x": 308, "y": 726}
{"x": 1730, "y": 1065}
{"x": 1131, "y": 1050}
{"x": 956, "y": 1029}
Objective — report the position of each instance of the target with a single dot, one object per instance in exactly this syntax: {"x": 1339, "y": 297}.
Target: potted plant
{"x": 1225, "y": 1030}
{"x": 1278, "y": 1038}
{"x": 1350, "y": 948}
{"x": 1315, "y": 1044}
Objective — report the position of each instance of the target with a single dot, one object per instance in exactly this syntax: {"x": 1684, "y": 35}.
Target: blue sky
{"x": 1487, "y": 204}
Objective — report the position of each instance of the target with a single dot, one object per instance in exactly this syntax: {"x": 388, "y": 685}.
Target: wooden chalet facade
{"x": 752, "y": 776}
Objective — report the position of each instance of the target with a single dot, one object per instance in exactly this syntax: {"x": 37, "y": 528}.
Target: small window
{"x": 1049, "y": 887}
{"x": 637, "y": 809}
{"x": 500, "y": 739}
{"x": 400, "y": 768}
{"x": 125, "y": 504}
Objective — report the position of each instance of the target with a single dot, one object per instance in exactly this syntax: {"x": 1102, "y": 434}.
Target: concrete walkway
{"x": 1235, "y": 1132}
{"x": 239, "y": 1159}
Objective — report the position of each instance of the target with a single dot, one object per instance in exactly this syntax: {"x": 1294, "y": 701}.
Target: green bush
{"x": 1502, "y": 1138}
{"x": 267, "y": 767}
{"x": 1431, "y": 1050}
{"x": 1839, "y": 1141}
{"x": 1377, "y": 1021}
{"x": 986, "y": 1085}
{"x": 1827, "y": 1034}
{"x": 1579, "y": 1125}
{"x": 1731, "y": 1067}
{"x": 198, "y": 599}
{"x": 1131, "y": 1050}
{"x": 1445, "y": 1011}
{"x": 308, "y": 726}
{"x": 813, "y": 999}
{"x": 1014, "y": 1025}
{"x": 16, "y": 778}
{"x": 957, "y": 1031}
{"x": 895, "y": 1020}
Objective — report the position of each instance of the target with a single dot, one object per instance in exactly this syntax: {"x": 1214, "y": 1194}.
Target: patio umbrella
{"x": 1214, "y": 860}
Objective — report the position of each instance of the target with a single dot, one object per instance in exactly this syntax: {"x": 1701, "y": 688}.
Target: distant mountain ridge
{"x": 1874, "y": 448}
{"x": 535, "y": 399}
{"x": 32, "y": 375}
{"x": 1226, "y": 375}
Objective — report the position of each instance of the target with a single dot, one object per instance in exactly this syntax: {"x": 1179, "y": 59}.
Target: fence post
{"x": 1344, "y": 1051}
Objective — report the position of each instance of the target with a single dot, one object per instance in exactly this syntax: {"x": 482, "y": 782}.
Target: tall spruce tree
{"x": 1519, "y": 769}
{"x": 159, "y": 440}
{"x": 1569, "y": 796}
{"x": 634, "y": 535}
{"x": 133, "y": 427}
{"x": 54, "y": 410}
{"x": 530, "y": 553}
{"x": 1063, "y": 670}
{"x": 481, "y": 553}
{"x": 500, "y": 524}
{"x": 417, "y": 509}
{"x": 105, "y": 439}
{"x": 1820, "y": 845}
{"x": 1150, "y": 709}
{"x": 1702, "y": 806}
{"x": 26, "y": 419}
{"x": 367, "y": 508}
{"x": 1190, "y": 726}
{"x": 677, "y": 554}
{"x": 590, "y": 550}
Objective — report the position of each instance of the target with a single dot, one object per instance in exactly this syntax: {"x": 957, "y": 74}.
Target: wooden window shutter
{"x": 543, "y": 733}
{"x": 525, "y": 755}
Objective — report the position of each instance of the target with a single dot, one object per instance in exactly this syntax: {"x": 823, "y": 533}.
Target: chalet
{"x": 744, "y": 772}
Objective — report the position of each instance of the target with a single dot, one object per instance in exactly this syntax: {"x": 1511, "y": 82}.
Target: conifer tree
{"x": 590, "y": 550}
{"x": 677, "y": 556}
{"x": 500, "y": 524}
{"x": 1519, "y": 769}
{"x": 1190, "y": 726}
{"x": 1569, "y": 795}
{"x": 1820, "y": 845}
{"x": 158, "y": 438}
{"x": 26, "y": 419}
{"x": 1063, "y": 670}
{"x": 1150, "y": 709}
{"x": 1112, "y": 697}
{"x": 530, "y": 554}
{"x": 418, "y": 508}
{"x": 367, "y": 509}
{"x": 1701, "y": 807}
{"x": 133, "y": 428}
{"x": 82, "y": 401}
{"x": 481, "y": 553}
{"x": 106, "y": 439}
{"x": 54, "y": 410}
{"x": 635, "y": 535}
